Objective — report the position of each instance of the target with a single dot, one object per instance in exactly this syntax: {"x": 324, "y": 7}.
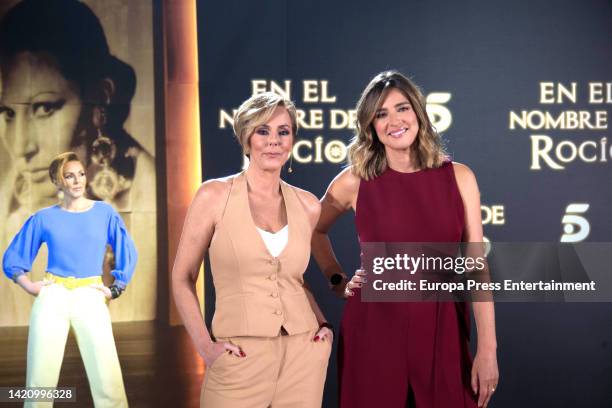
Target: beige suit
{"x": 257, "y": 295}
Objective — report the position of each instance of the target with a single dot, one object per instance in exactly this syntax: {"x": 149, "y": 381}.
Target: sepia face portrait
{"x": 39, "y": 114}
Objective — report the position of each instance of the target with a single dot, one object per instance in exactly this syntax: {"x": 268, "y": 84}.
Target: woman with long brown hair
{"x": 403, "y": 188}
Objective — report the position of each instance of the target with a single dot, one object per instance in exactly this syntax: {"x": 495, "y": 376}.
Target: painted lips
{"x": 397, "y": 133}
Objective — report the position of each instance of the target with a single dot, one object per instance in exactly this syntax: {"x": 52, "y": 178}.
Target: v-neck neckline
{"x": 252, "y": 220}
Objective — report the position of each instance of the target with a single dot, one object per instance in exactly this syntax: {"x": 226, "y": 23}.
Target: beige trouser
{"x": 55, "y": 310}
{"x": 283, "y": 371}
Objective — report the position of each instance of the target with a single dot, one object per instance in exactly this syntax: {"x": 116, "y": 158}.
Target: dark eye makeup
{"x": 46, "y": 108}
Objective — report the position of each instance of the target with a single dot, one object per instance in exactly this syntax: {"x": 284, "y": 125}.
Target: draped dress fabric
{"x": 407, "y": 353}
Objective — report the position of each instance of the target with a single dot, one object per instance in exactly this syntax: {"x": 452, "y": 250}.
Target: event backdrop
{"x": 521, "y": 92}
{"x": 42, "y": 128}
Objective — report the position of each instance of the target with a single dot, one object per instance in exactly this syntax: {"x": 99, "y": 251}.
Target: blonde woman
{"x": 403, "y": 189}
{"x": 270, "y": 343}
{"x": 72, "y": 295}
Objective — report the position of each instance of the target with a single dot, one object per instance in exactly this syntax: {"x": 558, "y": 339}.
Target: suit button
{"x": 272, "y": 277}
{"x": 278, "y": 312}
{"x": 274, "y": 294}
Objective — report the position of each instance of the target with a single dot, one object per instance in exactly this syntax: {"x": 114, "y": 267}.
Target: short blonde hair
{"x": 56, "y": 168}
{"x": 256, "y": 111}
{"x": 366, "y": 153}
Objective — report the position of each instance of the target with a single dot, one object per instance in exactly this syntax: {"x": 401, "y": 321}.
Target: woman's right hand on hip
{"x": 33, "y": 288}
{"x": 216, "y": 349}
{"x": 356, "y": 281}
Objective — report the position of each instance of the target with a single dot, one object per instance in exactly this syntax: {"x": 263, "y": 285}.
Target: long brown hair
{"x": 366, "y": 153}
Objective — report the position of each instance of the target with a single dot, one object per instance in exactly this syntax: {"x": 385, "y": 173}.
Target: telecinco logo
{"x": 440, "y": 116}
{"x": 575, "y": 227}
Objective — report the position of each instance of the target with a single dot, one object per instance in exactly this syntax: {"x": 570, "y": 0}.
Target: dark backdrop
{"x": 491, "y": 57}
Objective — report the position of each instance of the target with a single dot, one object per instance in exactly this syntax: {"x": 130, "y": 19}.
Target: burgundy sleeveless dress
{"x": 411, "y": 354}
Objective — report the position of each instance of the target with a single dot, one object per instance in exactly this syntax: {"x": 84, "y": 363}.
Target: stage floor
{"x": 160, "y": 365}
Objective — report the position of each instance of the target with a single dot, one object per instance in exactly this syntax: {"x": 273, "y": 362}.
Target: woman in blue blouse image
{"x": 72, "y": 295}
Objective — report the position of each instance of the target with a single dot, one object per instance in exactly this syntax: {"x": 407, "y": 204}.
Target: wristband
{"x": 336, "y": 280}
{"x": 116, "y": 291}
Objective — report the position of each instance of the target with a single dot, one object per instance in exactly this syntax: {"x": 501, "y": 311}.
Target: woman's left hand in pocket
{"x": 324, "y": 334}
{"x": 104, "y": 289}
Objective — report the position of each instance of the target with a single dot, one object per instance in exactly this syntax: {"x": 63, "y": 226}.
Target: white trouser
{"x": 55, "y": 310}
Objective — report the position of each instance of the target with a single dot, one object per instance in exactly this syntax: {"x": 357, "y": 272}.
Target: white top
{"x": 275, "y": 242}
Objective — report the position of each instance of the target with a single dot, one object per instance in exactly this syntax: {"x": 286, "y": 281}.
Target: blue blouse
{"x": 76, "y": 242}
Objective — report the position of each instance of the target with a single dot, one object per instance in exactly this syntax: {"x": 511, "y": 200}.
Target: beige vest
{"x": 257, "y": 294}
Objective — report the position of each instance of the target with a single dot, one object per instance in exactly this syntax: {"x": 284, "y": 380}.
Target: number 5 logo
{"x": 441, "y": 118}
{"x": 575, "y": 227}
